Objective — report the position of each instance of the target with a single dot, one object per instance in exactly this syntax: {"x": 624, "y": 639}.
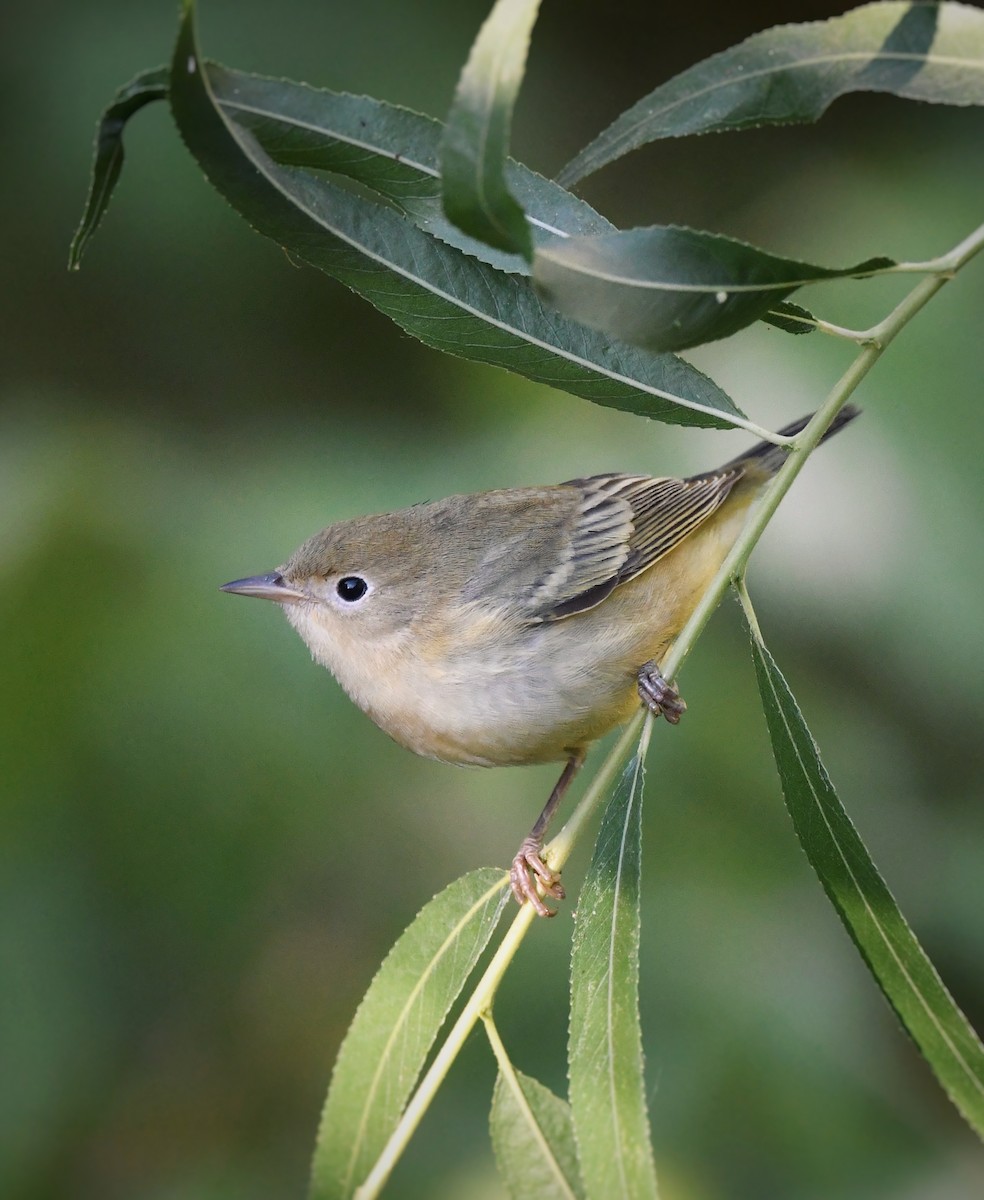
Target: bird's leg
{"x": 528, "y": 868}
{"x": 659, "y": 696}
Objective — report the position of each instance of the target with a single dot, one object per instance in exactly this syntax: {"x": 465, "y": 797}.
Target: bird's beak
{"x": 267, "y": 587}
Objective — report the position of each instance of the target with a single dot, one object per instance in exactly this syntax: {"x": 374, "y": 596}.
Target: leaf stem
{"x": 479, "y": 1003}
{"x": 508, "y": 1072}
{"x": 746, "y": 604}
{"x": 861, "y": 336}
{"x": 939, "y": 269}
{"x": 877, "y": 340}
{"x": 963, "y": 251}
{"x": 639, "y": 728}
{"x": 732, "y": 570}
{"x": 952, "y": 261}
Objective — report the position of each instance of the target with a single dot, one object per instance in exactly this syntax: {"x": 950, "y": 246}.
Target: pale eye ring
{"x": 351, "y": 588}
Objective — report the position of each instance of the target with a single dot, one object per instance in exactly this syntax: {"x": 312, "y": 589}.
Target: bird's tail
{"x": 768, "y": 457}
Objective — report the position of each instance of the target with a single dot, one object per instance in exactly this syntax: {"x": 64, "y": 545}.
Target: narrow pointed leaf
{"x": 793, "y": 73}
{"x": 107, "y": 162}
{"x": 667, "y": 288}
{"x": 790, "y": 318}
{"x": 533, "y": 1141}
{"x": 393, "y": 151}
{"x": 865, "y": 905}
{"x": 473, "y": 152}
{"x": 605, "y": 1061}
{"x": 395, "y": 1027}
{"x": 434, "y": 291}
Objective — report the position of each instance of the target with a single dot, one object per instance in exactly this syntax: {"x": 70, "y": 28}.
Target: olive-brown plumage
{"x": 516, "y": 626}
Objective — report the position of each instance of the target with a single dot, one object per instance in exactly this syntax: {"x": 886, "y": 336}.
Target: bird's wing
{"x": 621, "y": 526}
{"x": 548, "y": 553}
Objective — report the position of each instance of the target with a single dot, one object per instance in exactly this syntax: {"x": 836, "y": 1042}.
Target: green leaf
{"x": 792, "y": 73}
{"x": 396, "y": 1025}
{"x": 473, "y": 151}
{"x": 393, "y": 151}
{"x": 533, "y": 1140}
{"x": 865, "y": 905}
{"x": 668, "y": 288}
{"x": 107, "y": 162}
{"x": 790, "y": 318}
{"x": 434, "y": 291}
{"x": 605, "y": 1045}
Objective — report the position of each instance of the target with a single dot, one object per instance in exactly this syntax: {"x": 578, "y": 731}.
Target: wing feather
{"x": 555, "y": 551}
{"x": 624, "y": 524}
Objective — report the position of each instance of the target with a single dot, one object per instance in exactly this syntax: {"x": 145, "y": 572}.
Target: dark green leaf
{"x": 434, "y": 291}
{"x": 864, "y": 903}
{"x": 605, "y": 1046}
{"x": 389, "y": 149}
{"x": 533, "y": 1140}
{"x": 790, "y": 318}
{"x": 668, "y": 288}
{"x": 397, "y": 1022}
{"x": 792, "y": 73}
{"x": 107, "y": 160}
{"x": 476, "y": 139}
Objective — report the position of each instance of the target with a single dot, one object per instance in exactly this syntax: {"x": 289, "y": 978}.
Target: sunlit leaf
{"x": 442, "y": 296}
{"x": 107, "y": 161}
{"x": 396, "y": 1025}
{"x": 605, "y": 1063}
{"x": 668, "y": 288}
{"x": 864, "y": 903}
{"x": 476, "y": 139}
{"x": 533, "y": 1140}
{"x": 792, "y": 73}
{"x": 390, "y": 149}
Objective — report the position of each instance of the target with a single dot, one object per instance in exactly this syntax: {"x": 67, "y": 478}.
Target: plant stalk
{"x": 561, "y": 1188}
{"x": 480, "y": 1001}
{"x": 875, "y": 341}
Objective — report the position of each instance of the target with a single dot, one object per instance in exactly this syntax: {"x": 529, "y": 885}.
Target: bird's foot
{"x": 660, "y": 697}
{"x": 528, "y": 869}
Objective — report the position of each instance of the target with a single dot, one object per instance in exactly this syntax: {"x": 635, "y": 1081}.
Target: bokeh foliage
{"x": 205, "y": 849}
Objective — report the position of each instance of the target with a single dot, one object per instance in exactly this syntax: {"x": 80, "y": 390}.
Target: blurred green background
{"x": 206, "y": 850}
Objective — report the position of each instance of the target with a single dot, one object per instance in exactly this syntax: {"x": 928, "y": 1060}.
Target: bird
{"x": 518, "y": 626}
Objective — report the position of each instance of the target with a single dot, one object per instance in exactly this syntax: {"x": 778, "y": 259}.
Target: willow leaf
{"x": 864, "y": 903}
{"x": 793, "y": 73}
{"x": 107, "y": 162}
{"x": 390, "y": 149}
{"x": 605, "y": 1061}
{"x": 395, "y": 1026}
{"x": 790, "y": 318}
{"x": 473, "y": 151}
{"x": 533, "y": 1140}
{"x": 434, "y": 291}
{"x": 668, "y": 288}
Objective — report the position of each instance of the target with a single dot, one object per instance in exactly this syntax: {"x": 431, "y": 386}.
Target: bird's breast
{"x": 476, "y": 684}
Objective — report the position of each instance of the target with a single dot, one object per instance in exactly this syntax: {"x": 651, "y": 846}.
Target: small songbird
{"x": 518, "y": 626}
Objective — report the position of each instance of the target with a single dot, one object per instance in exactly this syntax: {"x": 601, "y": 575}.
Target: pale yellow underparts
{"x": 454, "y": 652}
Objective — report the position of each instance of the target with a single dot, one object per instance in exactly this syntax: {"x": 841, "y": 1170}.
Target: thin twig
{"x": 875, "y": 341}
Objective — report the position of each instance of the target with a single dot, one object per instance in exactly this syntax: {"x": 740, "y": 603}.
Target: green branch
{"x": 875, "y": 341}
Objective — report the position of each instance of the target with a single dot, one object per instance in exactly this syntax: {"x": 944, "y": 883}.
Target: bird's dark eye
{"x": 352, "y": 588}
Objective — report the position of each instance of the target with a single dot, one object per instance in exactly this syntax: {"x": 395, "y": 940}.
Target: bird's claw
{"x": 529, "y": 874}
{"x": 660, "y": 697}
